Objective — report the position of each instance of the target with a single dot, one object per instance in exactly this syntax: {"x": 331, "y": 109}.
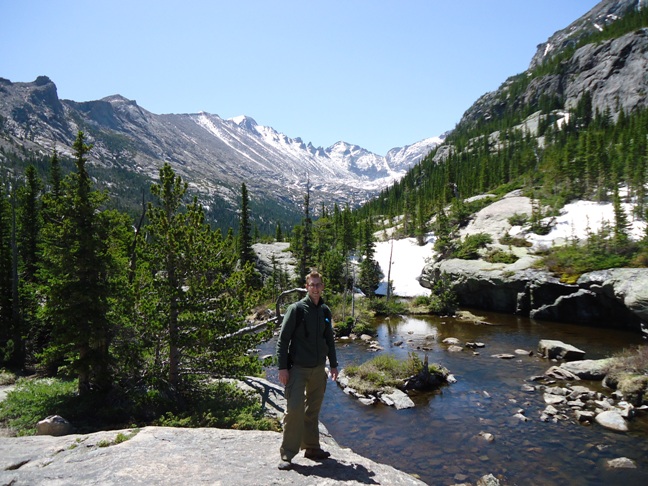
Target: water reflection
{"x": 443, "y": 441}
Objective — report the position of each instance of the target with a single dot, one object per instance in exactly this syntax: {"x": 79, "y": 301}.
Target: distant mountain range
{"x": 213, "y": 154}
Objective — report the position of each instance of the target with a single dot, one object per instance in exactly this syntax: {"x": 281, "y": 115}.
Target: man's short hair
{"x": 313, "y": 274}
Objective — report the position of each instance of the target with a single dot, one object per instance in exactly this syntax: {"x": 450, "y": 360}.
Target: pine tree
{"x": 192, "y": 300}
{"x": 7, "y": 325}
{"x": 305, "y": 256}
{"x": 246, "y": 253}
{"x": 278, "y": 233}
{"x": 76, "y": 267}
{"x": 29, "y": 223}
{"x": 370, "y": 272}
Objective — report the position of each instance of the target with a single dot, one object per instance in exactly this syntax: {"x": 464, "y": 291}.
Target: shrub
{"x": 443, "y": 299}
{"x": 501, "y": 256}
{"x": 628, "y": 372}
{"x": 469, "y": 248}
{"x": 518, "y": 219}
{"x": 384, "y": 307}
{"x": 219, "y": 404}
{"x": 362, "y": 327}
{"x": 421, "y": 301}
{"x": 33, "y": 400}
{"x": 507, "y": 239}
{"x": 577, "y": 259}
{"x": 344, "y": 328}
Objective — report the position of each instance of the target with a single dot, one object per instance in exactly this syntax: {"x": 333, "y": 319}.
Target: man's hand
{"x": 334, "y": 374}
{"x": 284, "y": 375}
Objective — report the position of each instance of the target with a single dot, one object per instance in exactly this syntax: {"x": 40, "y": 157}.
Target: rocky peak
{"x": 593, "y": 21}
{"x": 611, "y": 71}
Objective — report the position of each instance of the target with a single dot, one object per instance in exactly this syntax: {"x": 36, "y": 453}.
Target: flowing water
{"x": 439, "y": 440}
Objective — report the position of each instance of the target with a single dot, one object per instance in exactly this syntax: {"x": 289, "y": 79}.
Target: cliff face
{"x": 614, "y": 72}
{"x": 593, "y": 21}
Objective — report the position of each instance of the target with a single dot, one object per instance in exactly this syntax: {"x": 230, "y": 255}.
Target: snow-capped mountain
{"x": 214, "y": 155}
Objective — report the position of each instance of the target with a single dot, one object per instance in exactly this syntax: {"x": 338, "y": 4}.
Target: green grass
{"x": 628, "y": 371}
{"x": 216, "y": 404}
{"x": 382, "y": 371}
{"x": 33, "y": 400}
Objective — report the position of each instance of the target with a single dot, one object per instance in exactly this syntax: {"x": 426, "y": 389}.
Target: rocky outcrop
{"x": 603, "y": 14}
{"x": 168, "y": 455}
{"x": 615, "y": 297}
{"x": 165, "y": 455}
{"x": 611, "y": 71}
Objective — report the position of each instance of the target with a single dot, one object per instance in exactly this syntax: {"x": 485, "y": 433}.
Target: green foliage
{"x": 576, "y": 259}
{"x": 7, "y": 377}
{"x": 507, "y": 239}
{"x": 222, "y": 405}
{"x": 384, "y": 307}
{"x": 192, "y": 299}
{"x": 469, "y": 248}
{"x": 344, "y": 328}
{"x": 443, "y": 299}
{"x": 246, "y": 253}
{"x": 628, "y": 372}
{"x": 9, "y": 329}
{"x": 79, "y": 272}
{"x": 216, "y": 404}
{"x": 33, "y": 400}
{"x": 362, "y": 327}
{"x": 498, "y": 255}
{"x": 518, "y": 219}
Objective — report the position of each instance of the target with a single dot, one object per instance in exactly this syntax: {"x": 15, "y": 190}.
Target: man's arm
{"x": 283, "y": 343}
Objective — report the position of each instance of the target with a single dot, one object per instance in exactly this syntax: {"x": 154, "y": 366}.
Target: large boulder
{"x": 612, "y": 419}
{"x": 53, "y": 425}
{"x": 588, "y": 369}
{"x": 553, "y": 349}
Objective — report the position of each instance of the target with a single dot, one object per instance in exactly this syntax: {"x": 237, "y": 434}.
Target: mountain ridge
{"x": 213, "y": 154}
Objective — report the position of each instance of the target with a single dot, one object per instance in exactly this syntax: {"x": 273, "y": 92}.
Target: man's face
{"x": 315, "y": 288}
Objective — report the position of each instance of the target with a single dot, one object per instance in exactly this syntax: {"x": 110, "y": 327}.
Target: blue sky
{"x": 379, "y": 74}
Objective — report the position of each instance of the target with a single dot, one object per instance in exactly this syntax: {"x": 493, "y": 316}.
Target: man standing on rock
{"x": 305, "y": 341}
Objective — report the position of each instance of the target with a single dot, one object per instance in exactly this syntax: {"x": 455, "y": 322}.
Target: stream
{"x": 439, "y": 440}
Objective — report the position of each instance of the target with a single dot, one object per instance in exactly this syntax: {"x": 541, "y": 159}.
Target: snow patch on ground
{"x": 576, "y": 220}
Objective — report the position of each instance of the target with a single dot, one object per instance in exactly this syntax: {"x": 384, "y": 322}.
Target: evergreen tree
{"x": 370, "y": 272}
{"x": 29, "y": 222}
{"x": 76, "y": 269}
{"x": 246, "y": 253}
{"x": 305, "y": 255}
{"x": 192, "y": 300}
{"x": 278, "y": 233}
{"x": 621, "y": 224}
{"x": 7, "y": 325}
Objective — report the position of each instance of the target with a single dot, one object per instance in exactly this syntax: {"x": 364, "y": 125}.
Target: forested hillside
{"x": 537, "y": 133}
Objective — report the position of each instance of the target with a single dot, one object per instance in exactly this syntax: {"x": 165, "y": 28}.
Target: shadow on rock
{"x": 338, "y": 471}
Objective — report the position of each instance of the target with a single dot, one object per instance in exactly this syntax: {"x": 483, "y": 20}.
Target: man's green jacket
{"x": 310, "y": 341}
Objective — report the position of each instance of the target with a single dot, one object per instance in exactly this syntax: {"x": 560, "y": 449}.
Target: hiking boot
{"x": 284, "y": 465}
{"x": 316, "y": 454}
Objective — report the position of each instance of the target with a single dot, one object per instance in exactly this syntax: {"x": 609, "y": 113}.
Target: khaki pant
{"x": 304, "y": 397}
